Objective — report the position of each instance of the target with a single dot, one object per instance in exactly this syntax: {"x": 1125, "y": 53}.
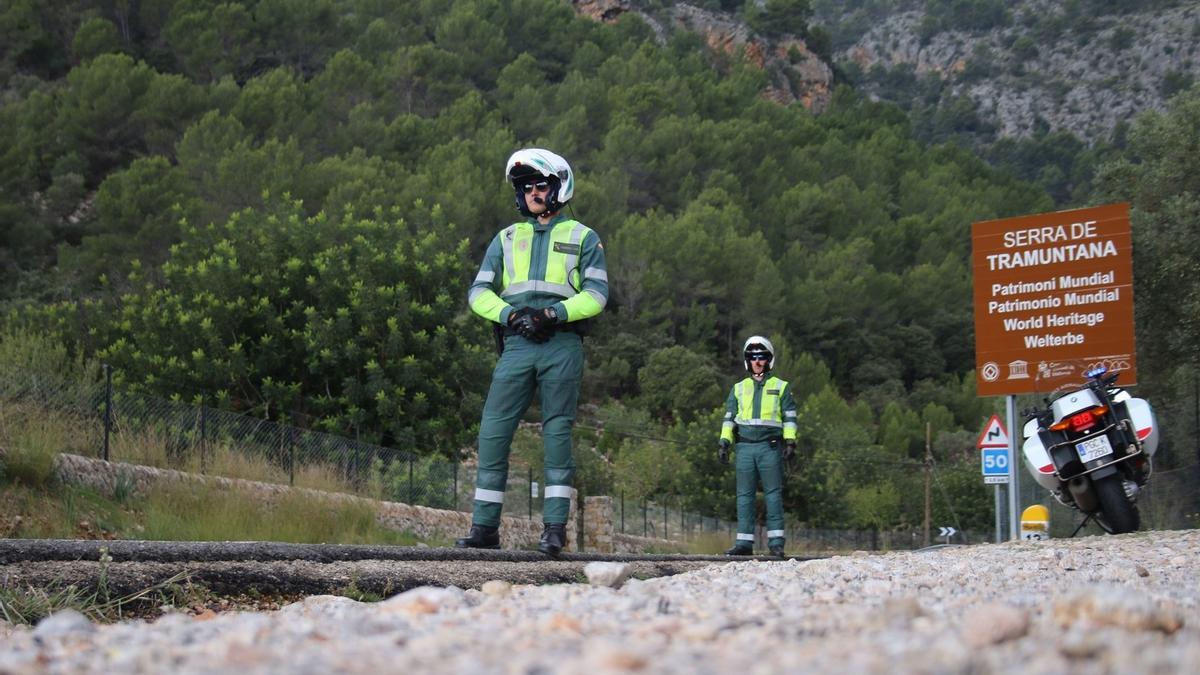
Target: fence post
{"x": 203, "y": 433}
{"x": 622, "y": 512}
{"x": 455, "y": 493}
{"x": 411, "y": 496}
{"x": 529, "y": 471}
{"x": 291, "y": 441}
{"x": 107, "y": 407}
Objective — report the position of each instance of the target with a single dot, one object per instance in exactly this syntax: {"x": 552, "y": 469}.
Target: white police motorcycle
{"x": 1092, "y": 447}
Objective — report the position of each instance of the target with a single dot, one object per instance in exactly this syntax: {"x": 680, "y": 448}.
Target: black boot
{"x": 777, "y": 550}
{"x": 554, "y": 537}
{"x": 740, "y": 550}
{"x": 481, "y": 536}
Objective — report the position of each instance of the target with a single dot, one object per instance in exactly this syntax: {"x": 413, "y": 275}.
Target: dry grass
{"x": 28, "y": 604}
{"x": 31, "y": 439}
{"x": 34, "y": 505}
{"x": 197, "y": 512}
{"x": 150, "y": 448}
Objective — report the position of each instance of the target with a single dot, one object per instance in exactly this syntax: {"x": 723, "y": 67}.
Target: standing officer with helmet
{"x": 763, "y": 413}
{"x": 539, "y": 279}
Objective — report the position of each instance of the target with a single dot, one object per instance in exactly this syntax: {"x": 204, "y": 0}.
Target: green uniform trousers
{"x": 755, "y": 461}
{"x": 555, "y": 369}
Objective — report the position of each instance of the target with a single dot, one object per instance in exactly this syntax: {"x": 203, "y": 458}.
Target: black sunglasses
{"x": 758, "y": 357}
{"x": 540, "y": 186}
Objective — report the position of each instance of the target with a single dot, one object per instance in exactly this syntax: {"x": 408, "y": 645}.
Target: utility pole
{"x": 928, "y": 473}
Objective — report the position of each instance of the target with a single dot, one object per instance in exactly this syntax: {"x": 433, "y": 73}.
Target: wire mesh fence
{"x": 645, "y": 518}
{"x": 109, "y": 422}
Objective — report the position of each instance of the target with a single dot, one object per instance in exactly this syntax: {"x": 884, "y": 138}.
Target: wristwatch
{"x": 551, "y": 314}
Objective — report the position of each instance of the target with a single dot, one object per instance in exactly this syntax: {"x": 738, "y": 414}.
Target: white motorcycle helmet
{"x": 757, "y": 344}
{"x": 532, "y": 162}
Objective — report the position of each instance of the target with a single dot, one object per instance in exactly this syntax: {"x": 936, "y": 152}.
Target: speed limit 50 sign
{"x": 995, "y": 465}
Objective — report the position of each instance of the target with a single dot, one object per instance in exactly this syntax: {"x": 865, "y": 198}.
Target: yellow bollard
{"x": 1035, "y": 523}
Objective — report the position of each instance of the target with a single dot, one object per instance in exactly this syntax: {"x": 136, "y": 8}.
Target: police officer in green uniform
{"x": 760, "y": 416}
{"x": 539, "y": 279}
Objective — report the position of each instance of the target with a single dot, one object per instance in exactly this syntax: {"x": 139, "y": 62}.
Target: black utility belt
{"x": 773, "y": 440}
{"x": 556, "y": 328}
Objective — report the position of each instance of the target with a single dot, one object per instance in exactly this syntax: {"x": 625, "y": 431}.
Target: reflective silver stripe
{"x": 600, "y": 299}
{"x": 728, "y": 415}
{"x": 493, "y": 496}
{"x": 595, "y": 273}
{"x": 789, "y": 425}
{"x": 485, "y": 277}
{"x": 774, "y": 533}
{"x": 745, "y": 537}
{"x": 789, "y": 413}
{"x": 506, "y": 243}
{"x": 562, "y": 491}
{"x": 760, "y": 423}
{"x": 726, "y": 425}
{"x": 571, "y": 261}
{"x": 475, "y": 293}
{"x": 561, "y": 290}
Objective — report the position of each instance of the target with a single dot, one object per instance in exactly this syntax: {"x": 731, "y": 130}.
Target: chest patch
{"x": 563, "y": 247}
{"x": 771, "y": 392}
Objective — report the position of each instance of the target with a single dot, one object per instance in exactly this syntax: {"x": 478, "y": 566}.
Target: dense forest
{"x": 281, "y": 203}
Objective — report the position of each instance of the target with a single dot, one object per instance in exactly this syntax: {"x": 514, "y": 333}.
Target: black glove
{"x": 521, "y": 320}
{"x": 543, "y": 321}
{"x": 789, "y": 450}
{"x": 723, "y": 451}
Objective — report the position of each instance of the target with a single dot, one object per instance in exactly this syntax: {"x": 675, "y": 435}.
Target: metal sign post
{"x": 1013, "y": 486}
{"x": 999, "y": 504}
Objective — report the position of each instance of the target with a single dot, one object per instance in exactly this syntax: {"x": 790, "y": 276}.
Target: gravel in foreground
{"x": 1124, "y": 604}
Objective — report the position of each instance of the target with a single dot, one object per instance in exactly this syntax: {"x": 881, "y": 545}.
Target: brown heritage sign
{"x": 1053, "y": 298}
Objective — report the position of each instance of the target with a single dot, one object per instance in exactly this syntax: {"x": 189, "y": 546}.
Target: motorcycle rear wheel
{"x": 1117, "y": 512}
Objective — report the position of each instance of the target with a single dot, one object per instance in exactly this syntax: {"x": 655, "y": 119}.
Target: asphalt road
{"x": 229, "y": 568}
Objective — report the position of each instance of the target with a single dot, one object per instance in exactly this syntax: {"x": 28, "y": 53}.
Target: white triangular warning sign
{"x": 994, "y": 435}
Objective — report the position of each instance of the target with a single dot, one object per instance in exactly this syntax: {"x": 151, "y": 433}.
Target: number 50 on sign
{"x": 995, "y": 465}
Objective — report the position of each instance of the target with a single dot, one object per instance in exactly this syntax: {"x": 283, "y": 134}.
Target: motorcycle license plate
{"x": 1094, "y": 448}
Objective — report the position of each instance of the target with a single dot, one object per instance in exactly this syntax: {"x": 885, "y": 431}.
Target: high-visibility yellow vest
{"x": 562, "y": 276}
{"x": 771, "y": 413}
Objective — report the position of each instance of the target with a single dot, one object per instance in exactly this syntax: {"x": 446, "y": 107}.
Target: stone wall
{"x": 109, "y": 478}
{"x": 598, "y": 525}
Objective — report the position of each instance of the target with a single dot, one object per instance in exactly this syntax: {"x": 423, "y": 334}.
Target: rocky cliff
{"x": 1046, "y": 66}
{"x": 796, "y": 74}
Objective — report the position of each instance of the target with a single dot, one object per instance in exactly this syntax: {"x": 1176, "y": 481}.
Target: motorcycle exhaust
{"x": 1081, "y": 491}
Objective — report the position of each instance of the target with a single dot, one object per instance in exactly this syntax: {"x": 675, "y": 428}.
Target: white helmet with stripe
{"x": 528, "y": 163}
{"x": 757, "y": 344}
